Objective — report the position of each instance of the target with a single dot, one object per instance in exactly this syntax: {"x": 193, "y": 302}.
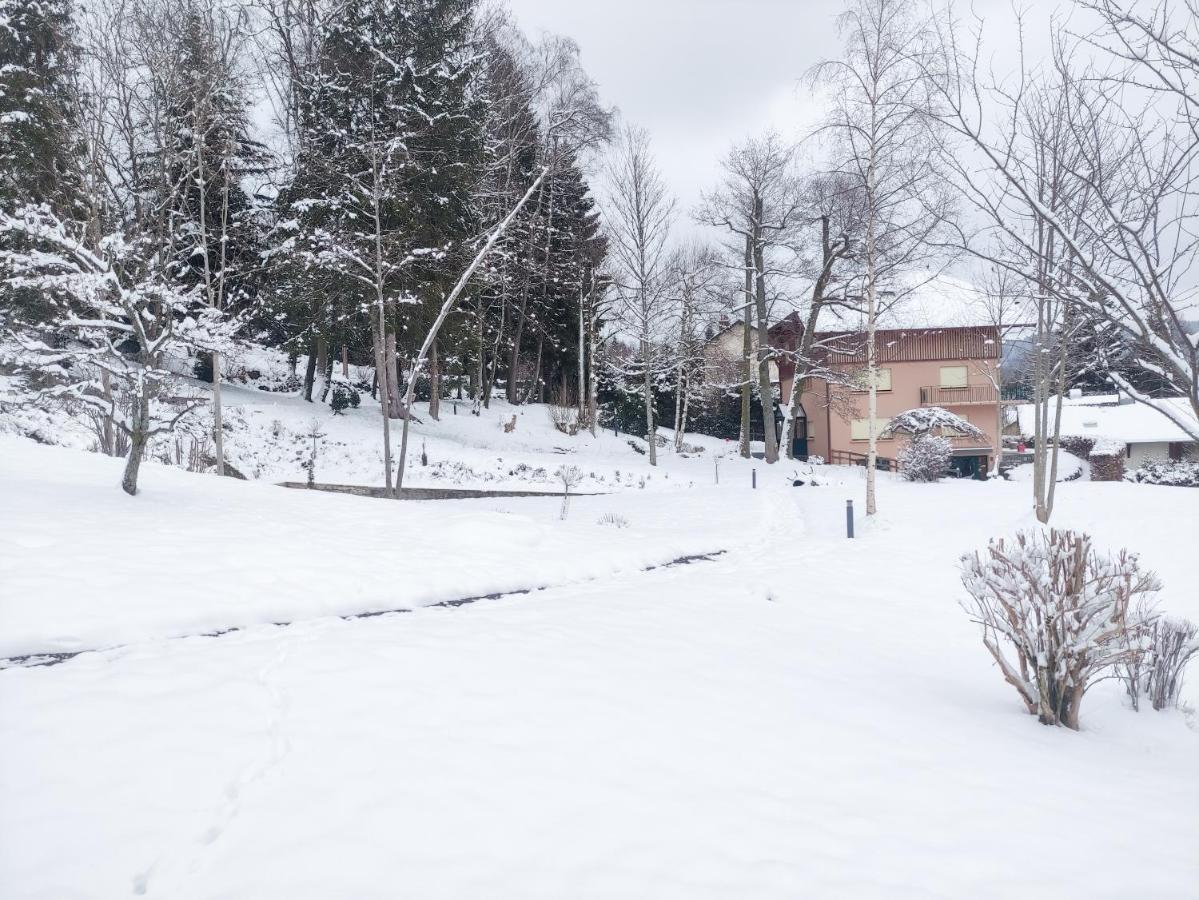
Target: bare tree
{"x": 759, "y": 204}
{"x": 834, "y": 204}
{"x": 884, "y": 146}
{"x": 1035, "y": 208}
{"x": 639, "y": 215}
{"x": 695, "y": 272}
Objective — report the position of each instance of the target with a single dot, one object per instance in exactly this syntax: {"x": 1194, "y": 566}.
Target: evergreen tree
{"x": 38, "y": 133}
{"x": 39, "y": 138}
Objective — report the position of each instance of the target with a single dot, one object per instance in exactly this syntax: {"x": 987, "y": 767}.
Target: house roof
{"x": 914, "y": 344}
{"x": 1128, "y": 423}
{"x": 928, "y": 299}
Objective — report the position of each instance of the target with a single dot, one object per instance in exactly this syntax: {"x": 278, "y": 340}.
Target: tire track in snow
{"x": 45, "y": 660}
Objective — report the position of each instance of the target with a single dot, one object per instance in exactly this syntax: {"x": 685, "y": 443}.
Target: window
{"x": 882, "y": 380}
{"x": 860, "y": 428}
{"x": 954, "y": 376}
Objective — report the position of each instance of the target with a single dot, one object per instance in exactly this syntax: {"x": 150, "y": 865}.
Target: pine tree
{"x": 39, "y": 139}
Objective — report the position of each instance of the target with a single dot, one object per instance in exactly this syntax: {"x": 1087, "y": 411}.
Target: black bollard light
{"x": 849, "y": 518}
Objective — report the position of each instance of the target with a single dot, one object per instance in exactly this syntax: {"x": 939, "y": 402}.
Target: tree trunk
{"x": 310, "y": 371}
{"x": 747, "y": 352}
{"x": 327, "y": 377}
{"x": 765, "y": 389}
{"x": 381, "y": 380}
{"x": 392, "y": 366}
{"x": 580, "y": 396}
{"x": 322, "y": 361}
{"x": 434, "y": 383}
{"x": 137, "y": 442}
{"x": 871, "y": 349}
{"x": 218, "y": 417}
{"x": 650, "y": 427}
{"x": 592, "y": 381}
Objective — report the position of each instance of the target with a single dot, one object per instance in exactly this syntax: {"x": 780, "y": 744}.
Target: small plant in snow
{"x": 1055, "y": 615}
{"x": 925, "y": 458}
{"x": 570, "y": 476}
{"x": 615, "y": 520}
{"x": 1157, "y": 674}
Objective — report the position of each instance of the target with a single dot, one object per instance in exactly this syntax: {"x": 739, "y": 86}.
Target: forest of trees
{"x": 180, "y": 175}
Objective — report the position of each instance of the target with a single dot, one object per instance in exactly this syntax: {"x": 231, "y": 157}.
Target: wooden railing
{"x": 945, "y": 396}
{"x": 849, "y": 458}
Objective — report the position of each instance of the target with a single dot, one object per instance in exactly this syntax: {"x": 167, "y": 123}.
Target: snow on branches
{"x": 927, "y": 455}
{"x": 1055, "y": 615}
{"x": 117, "y": 323}
{"x": 926, "y": 419}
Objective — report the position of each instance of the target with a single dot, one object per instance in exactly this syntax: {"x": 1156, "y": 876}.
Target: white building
{"x": 1146, "y": 433}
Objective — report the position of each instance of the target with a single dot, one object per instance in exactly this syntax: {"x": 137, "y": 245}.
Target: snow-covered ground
{"x": 801, "y": 715}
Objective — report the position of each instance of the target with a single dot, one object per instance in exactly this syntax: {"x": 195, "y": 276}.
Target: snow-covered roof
{"x": 926, "y": 299}
{"x": 1128, "y": 423}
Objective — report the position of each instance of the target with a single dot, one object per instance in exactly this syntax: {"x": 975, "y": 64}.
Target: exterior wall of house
{"x": 1143, "y": 452}
{"x": 832, "y": 409}
{"x": 723, "y": 355}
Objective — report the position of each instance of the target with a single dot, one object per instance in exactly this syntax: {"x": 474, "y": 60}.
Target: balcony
{"x": 971, "y": 395}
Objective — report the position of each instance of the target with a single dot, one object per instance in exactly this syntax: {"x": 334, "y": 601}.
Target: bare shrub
{"x": 1055, "y": 615}
{"x": 1158, "y": 672}
{"x": 564, "y": 411}
{"x": 615, "y": 520}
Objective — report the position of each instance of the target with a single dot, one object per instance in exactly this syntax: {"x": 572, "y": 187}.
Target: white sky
{"x": 703, "y": 74}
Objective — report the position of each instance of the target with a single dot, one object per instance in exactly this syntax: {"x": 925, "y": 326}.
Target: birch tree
{"x": 758, "y": 204}
{"x": 883, "y": 144}
{"x": 696, "y": 273}
{"x": 639, "y": 215}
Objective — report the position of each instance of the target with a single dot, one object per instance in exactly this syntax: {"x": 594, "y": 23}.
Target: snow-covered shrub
{"x": 1157, "y": 673}
{"x": 564, "y": 411}
{"x": 925, "y": 458}
{"x": 615, "y": 520}
{"x": 1179, "y": 473}
{"x": 1106, "y": 458}
{"x": 1055, "y": 615}
{"x": 569, "y": 476}
{"x": 343, "y": 397}
{"x": 1077, "y": 445}
{"x": 815, "y": 460}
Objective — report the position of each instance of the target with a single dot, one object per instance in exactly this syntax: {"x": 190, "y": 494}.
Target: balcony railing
{"x": 972, "y": 395}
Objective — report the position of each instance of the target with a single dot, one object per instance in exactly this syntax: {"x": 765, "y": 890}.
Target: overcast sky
{"x": 702, "y": 74}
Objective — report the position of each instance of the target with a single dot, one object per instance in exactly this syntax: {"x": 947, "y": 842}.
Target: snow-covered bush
{"x": 1157, "y": 673}
{"x": 1179, "y": 473}
{"x": 925, "y": 458}
{"x": 615, "y": 520}
{"x": 569, "y": 476}
{"x": 343, "y": 397}
{"x": 564, "y": 411}
{"x": 1055, "y": 615}
{"x": 1106, "y": 458}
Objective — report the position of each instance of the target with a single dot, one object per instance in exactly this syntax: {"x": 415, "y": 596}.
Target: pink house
{"x": 956, "y": 368}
